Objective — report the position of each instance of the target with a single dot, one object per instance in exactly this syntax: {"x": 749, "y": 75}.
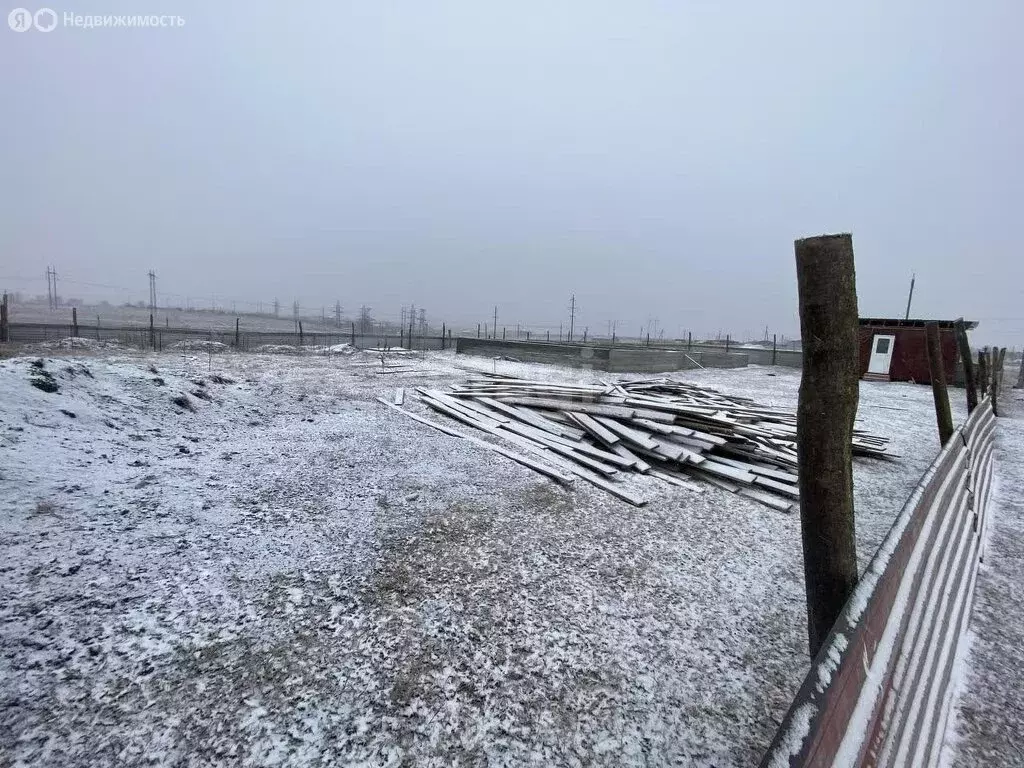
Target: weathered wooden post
{"x": 982, "y": 372}
{"x": 527, "y": 335}
{"x": 443, "y": 331}
{"x": 478, "y": 330}
{"x": 775, "y": 347}
{"x": 827, "y": 287}
{"x": 152, "y": 332}
{"x": 300, "y": 334}
{"x": 1020, "y": 374}
{"x": 74, "y": 322}
{"x": 236, "y": 334}
{"x": 549, "y": 335}
{"x": 353, "y": 333}
{"x": 585, "y": 335}
{"x": 727, "y": 343}
{"x": 937, "y": 373}
{"x": 648, "y": 338}
{"x": 689, "y": 340}
{"x": 5, "y": 333}
{"x": 996, "y": 366}
{"x": 502, "y": 333}
{"x": 960, "y": 329}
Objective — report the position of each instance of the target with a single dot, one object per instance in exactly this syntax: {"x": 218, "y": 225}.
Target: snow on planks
{"x": 668, "y": 429}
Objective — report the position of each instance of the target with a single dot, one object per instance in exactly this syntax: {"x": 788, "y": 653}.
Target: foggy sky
{"x": 657, "y": 159}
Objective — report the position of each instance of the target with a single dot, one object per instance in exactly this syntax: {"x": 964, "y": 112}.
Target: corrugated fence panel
{"x": 877, "y": 694}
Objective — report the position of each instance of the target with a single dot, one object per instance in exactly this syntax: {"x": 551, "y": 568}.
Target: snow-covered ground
{"x": 279, "y": 570}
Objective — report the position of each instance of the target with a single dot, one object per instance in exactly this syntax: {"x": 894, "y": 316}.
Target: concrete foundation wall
{"x": 603, "y": 358}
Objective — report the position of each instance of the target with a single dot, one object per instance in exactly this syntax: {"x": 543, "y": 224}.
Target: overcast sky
{"x": 657, "y": 159}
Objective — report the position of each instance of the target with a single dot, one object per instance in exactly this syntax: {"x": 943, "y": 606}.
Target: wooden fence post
{"x": 982, "y": 375}
{"x": 5, "y": 333}
{"x": 960, "y": 329}
{"x": 1020, "y": 374}
{"x": 827, "y": 407}
{"x": 996, "y": 365}
{"x": 300, "y": 333}
{"x": 152, "y": 332}
{"x": 444, "y": 329}
{"x": 353, "y": 333}
{"x": 937, "y": 373}
{"x": 727, "y": 343}
{"x": 236, "y": 334}
{"x": 689, "y": 340}
{"x": 775, "y": 347}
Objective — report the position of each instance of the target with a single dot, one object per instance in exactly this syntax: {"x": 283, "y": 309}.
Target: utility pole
{"x": 572, "y": 315}
{"x": 910, "y": 297}
{"x": 495, "y": 326}
{"x": 49, "y": 290}
{"x": 152, "y": 291}
{"x": 295, "y": 314}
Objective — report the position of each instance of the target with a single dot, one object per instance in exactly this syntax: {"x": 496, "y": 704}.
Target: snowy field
{"x": 285, "y": 572}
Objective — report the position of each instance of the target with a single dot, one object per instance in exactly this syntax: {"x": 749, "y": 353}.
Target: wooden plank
{"x": 400, "y": 396}
{"x": 624, "y": 452}
{"x": 767, "y": 499}
{"x": 593, "y": 409}
{"x": 732, "y": 473}
{"x": 634, "y": 436}
{"x": 591, "y": 456}
{"x": 675, "y": 480}
{"x": 775, "y": 485}
{"x": 594, "y": 427}
{"x": 537, "y": 466}
{"x": 528, "y": 417}
{"x": 457, "y": 405}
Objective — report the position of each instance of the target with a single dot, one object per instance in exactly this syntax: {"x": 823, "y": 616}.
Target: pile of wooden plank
{"x": 672, "y": 430}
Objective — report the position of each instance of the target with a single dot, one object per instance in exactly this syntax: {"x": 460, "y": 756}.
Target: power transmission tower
{"x": 423, "y": 321}
{"x": 337, "y": 313}
{"x": 572, "y": 315}
{"x": 152, "y": 291}
{"x": 49, "y": 289}
{"x": 277, "y": 307}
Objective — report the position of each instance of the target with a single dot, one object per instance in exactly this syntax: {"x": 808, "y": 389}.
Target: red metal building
{"x": 894, "y": 350}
